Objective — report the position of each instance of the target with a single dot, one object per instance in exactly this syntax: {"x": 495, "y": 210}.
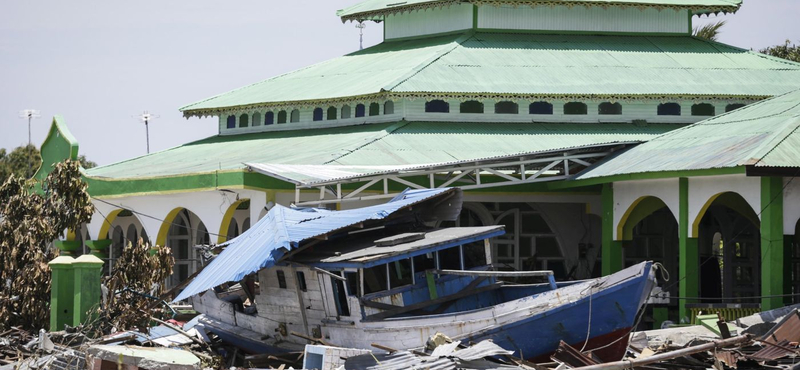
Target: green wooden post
{"x": 612, "y": 250}
{"x": 88, "y": 270}
{"x": 431, "y": 285}
{"x": 61, "y": 292}
{"x": 660, "y": 314}
{"x": 688, "y": 255}
{"x": 771, "y": 242}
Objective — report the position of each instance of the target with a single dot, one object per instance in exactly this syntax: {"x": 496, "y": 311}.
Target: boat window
{"x": 282, "y": 116}
{"x": 352, "y": 283}
{"x": 281, "y": 279}
{"x": 331, "y": 113}
{"x": 437, "y": 106}
{"x": 346, "y": 112}
{"x": 400, "y": 273}
{"x": 731, "y": 107}
{"x": 374, "y": 109}
{"x": 450, "y": 259}
{"x": 244, "y": 120}
{"x": 342, "y": 309}
{"x": 317, "y": 114}
{"x": 360, "y": 109}
{"x": 472, "y": 106}
{"x": 375, "y": 279}
{"x": 540, "y": 107}
{"x": 609, "y": 108}
{"x": 231, "y": 121}
{"x": 669, "y": 109}
{"x": 388, "y": 107}
{"x": 256, "y": 119}
{"x": 506, "y": 107}
{"x": 703, "y": 109}
{"x": 474, "y": 255}
{"x": 424, "y": 263}
{"x": 301, "y": 281}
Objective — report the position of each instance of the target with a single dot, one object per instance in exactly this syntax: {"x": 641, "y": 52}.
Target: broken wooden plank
{"x": 384, "y": 348}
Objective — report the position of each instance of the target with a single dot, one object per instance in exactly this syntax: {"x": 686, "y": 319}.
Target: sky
{"x": 100, "y": 64}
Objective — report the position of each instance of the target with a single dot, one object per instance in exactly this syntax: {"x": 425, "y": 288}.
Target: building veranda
{"x": 600, "y": 135}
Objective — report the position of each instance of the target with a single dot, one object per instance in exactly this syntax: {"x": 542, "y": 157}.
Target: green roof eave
{"x": 379, "y": 9}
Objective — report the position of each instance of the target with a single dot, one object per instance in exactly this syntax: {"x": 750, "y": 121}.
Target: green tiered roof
{"x": 523, "y": 66}
{"x": 764, "y": 134}
{"x": 400, "y": 143}
{"x": 377, "y": 9}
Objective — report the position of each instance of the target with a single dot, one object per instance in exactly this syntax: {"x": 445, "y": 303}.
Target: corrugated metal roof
{"x": 374, "y": 9}
{"x": 764, "y": 134}
{"x": 527, "y": 64}
{"x": 357, "y": 147}
{"x": 283, "y": 229}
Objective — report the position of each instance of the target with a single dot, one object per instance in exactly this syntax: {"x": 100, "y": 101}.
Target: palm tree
{"x": 709, "y": 31}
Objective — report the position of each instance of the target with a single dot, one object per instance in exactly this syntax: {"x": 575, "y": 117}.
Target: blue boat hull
{"x": 614, "y": 311}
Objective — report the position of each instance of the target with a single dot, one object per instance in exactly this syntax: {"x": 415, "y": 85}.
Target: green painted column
{"x": 61, "y": 292}
{"x": 688, "y": 255}
{"x": 87, "y": 294}
{"x": 660, "y": 314}
{"x": 612, "y": 250}
{"x": 771, "y": 242}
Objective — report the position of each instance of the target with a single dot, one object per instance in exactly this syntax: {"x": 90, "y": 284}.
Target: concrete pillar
{"x": 772, "y": 264}
{"x": 99, "y": 248}
{"x": 688, "y": 255}
{"x": 612, "y": 250}
{"x": 62, "y": 290}
{"x": 87, "y": 294}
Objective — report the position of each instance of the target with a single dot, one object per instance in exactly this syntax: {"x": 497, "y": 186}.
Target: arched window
{"x": 179, "y": 241}
{"x": 256, "y": 119}
{"x": 472, "y": 106}
{"x": 231, "y": 121}
{"x": 506, "y": 107}
{"x": 282, "y": 117}
{"x": 145, "y": 238}
{"x": 703, "y": 109}
{"x": 295, "y": 117}
{"x": 609, "y": 108}
{"x": 317, "y": 115}
{"x": 360, "y": 110}
{"x": 246, "y": 224}
{"x": 374, "y": 109}
{"x": 269, "y": 118}
{"x": 131, "y": 235}
{"x": 669, "y": 109}
{"x": 575, "y": 108}
{"x": 244, "y": 120}
{"x": 540, "y": 107}
{"x": 437, "y": 106}
{"x": 233, "y": 229}
{"x": 331, "y": 113}
{"x": 117, "y": 244}
{"x": 731, "y": 107}
{"x": 388, "y": 107}
{"x": 346, "y": 112}
{"x": 202, "y": 235}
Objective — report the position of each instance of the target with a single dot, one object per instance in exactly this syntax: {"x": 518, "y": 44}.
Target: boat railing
{"x": 507, "y": 274}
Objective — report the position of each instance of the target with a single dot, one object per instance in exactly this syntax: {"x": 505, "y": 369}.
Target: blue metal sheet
{"x": 282, "y": 229}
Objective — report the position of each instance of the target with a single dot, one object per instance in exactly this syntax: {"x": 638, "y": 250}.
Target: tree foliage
{"x": 786, "y": 51}
{"x": 710, "y": 31}
{"x": 24, "y": 161}
{"x": 136, "y": 278}
{"x": 29, "y": 222}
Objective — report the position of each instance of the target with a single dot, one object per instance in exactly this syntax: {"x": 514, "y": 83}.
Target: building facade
{"x": 535, "y": 109}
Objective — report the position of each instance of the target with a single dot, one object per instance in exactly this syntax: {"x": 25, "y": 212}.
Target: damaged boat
{"x": 389, "y": 274}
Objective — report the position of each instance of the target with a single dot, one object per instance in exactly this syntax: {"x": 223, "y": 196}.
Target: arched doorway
{"x": 184, "y": 232}
{"x": 729, "y": 244}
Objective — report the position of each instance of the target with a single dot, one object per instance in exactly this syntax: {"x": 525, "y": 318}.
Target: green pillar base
{"x": 68, "y": 247}
{"x": 88, "y": 270}
{"x": 660, "y": 314}
{"x": 99, "y": 248}
{"x": 62, "y": 292}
